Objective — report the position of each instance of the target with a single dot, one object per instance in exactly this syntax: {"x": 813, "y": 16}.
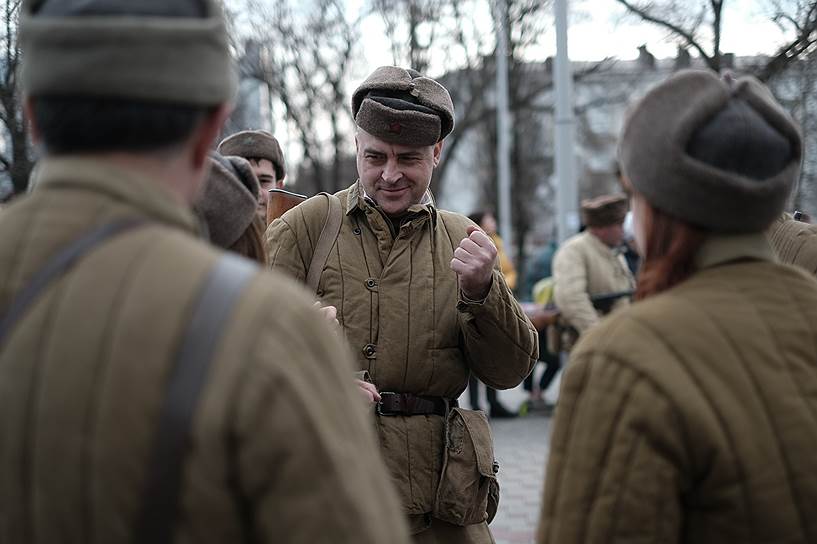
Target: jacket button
{"x": 369, "y": 350}
{"x": 357, "y": 231}
{"x": 371, "y": 283}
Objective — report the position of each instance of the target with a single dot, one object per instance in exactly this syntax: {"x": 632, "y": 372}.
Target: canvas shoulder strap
{"x": 329, "y": 233}
{"x": 58, "y": 265}
{"x": 217, "y": 300}
{"x": 452, "y": 236}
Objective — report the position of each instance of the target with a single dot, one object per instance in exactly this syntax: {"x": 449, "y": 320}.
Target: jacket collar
{"x": 601, "y": 246}
{"x": 358, "y": 199}
{"x": 722, "y": 249}
{"x": 117, "y": 183}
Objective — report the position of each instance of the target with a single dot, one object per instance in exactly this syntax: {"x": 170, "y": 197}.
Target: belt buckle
{"x": 379, "y": 406}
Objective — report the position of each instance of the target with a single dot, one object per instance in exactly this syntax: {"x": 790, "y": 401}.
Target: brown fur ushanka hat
{"x": 256, "y": 144}
{"x": 229, "y": 199}
{"x": 719, "y": 153}
{"x": 604, "y": 210}
{"x": 403, "y": 107}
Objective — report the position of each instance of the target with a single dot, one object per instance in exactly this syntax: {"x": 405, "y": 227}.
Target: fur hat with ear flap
{"x": 718, "y": 153}
{"x": 229, "y": 200}
{"x": 604, "y": 210}
{"x": 403, "y": 107}
{"x": 256, "y": 144}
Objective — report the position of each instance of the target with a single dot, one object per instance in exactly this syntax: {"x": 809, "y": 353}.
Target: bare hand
{"x": 369, "y": 391}
{"x": 330, "y": 313}
{"x": 474, "y": 262}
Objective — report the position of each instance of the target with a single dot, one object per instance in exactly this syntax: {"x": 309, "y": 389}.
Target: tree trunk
{"x": 318, "y": 173}
{"x": 20, "y": 155}
{"x": 336, "y": 182}
{"x": 717, "y": 9}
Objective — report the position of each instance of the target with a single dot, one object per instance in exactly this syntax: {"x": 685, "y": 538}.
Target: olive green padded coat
{"x": 691, "y": 417}
{"x": 280, "y": 449}
{"x": 400, "y": 308}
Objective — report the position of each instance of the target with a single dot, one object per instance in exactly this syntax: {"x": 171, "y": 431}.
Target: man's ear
{"x": 207, "y": 133}
{"x": 28, "y": 110}
{"x": 438, "y": 152}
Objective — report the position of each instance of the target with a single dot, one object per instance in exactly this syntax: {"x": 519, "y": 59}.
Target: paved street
{"x": 521, "y": 447}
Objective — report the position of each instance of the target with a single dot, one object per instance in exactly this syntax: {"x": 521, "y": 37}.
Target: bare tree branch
{"x": 804, "y": 21}
{"x": 712, "y": 59}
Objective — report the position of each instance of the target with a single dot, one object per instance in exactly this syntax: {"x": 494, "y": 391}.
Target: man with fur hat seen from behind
{"x": 154, "y": 388}
{"x": 422, "y": 301}
{"x": 592, "y": 264}
{"x": 264, "y": 153}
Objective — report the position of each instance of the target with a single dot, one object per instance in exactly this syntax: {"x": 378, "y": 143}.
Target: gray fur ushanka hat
{"x": 256, "y": 144}
{"x": 178, "y": 60}
{"x": 604, "y": 210}
{"x": 719, "y": 153}
{"x": 229, "y": 200}
{"x": 403, "y": 107}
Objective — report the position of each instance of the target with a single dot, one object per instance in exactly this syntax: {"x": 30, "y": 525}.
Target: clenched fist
{"x": 474, "y": 262}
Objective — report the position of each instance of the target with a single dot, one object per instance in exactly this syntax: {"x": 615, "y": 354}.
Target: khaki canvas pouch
{"x": 468, "y": 492}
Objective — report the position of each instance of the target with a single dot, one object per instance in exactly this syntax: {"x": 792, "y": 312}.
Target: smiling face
{"x": 395, "y": 176}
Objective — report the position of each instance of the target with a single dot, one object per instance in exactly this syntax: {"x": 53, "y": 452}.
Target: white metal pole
{"x": 503, "y": 123}
{"x": 567, "y": 218}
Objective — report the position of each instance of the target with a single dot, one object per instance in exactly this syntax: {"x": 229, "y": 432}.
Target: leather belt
{"x": 407, "y": 404}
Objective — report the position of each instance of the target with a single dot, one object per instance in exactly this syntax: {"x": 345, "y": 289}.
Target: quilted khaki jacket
{"x": 582, "y": 267}
{"x": 399, "y": 305}
{"x": 691, "y": 417}
{"x": 280, "y": 448}
{"x": 794, "y": 242}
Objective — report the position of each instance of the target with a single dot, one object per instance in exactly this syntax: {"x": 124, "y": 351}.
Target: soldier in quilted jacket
{"x": 691, "y": 416}
{"x": 417, "y": 289}
{"x": 276, "y": 448}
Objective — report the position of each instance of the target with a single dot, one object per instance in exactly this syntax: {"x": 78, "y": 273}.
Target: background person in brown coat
{"x": 589, "y": 264}
{"x": 690, "y": 416}
{"x": 418, "y": 293}
{"x": 278, "y": 448}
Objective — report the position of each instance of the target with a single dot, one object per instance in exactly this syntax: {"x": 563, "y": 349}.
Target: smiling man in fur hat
{"x": 592, "y": 263}
{"x": 421, "y": 299}
{"x": 151, "y": 386}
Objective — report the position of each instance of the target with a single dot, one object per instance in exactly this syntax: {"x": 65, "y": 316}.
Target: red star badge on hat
{"x": 395, "y": 128}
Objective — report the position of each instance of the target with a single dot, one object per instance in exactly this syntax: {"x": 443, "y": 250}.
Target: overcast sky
{"x": 598, "y": 30}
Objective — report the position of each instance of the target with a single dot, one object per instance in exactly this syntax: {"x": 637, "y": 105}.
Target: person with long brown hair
{"x": 691, "y": 416}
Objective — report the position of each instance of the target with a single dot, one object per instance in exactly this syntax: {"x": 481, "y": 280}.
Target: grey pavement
{"x": 521, "y": 447}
